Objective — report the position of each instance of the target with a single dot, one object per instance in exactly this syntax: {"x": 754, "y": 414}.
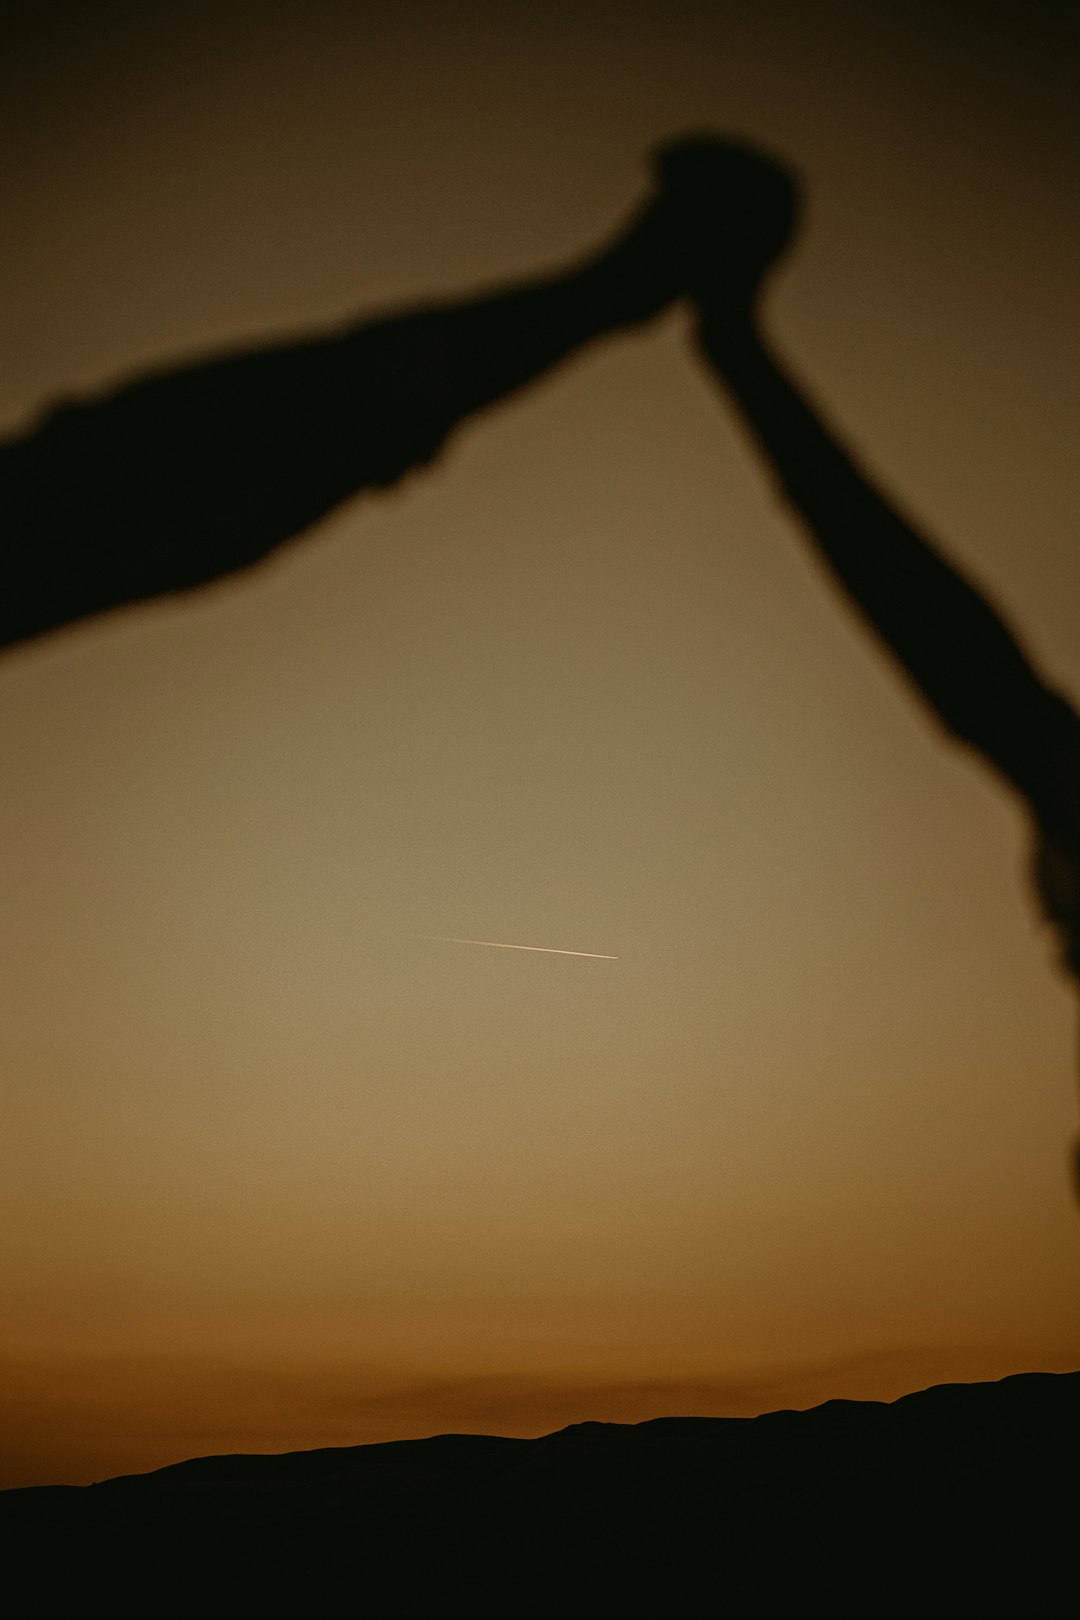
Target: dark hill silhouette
{"x": 959, "y": 1488}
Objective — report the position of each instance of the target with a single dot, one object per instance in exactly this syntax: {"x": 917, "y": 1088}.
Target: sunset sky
{"x": 279, "y": 1171}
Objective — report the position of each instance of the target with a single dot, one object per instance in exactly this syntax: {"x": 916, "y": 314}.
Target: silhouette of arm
{"x": 952, "y": 645}
{"x": 186, "y": 475}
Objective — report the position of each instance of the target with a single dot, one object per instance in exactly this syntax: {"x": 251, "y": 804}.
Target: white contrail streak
{"x": 498, "y": 945}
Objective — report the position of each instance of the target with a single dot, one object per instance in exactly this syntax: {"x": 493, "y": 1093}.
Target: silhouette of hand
{"x": 729, "y": 211}
{"x": 721, "y": 215}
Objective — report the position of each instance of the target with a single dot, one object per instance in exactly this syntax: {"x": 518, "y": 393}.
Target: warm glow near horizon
{"x": 278, "y": 1173}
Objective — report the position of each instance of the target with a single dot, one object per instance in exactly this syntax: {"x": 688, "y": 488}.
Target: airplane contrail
{"x": 498, "y": 945}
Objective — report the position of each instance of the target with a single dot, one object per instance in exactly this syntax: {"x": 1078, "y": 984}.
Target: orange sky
{"x": 278, "y": 1172}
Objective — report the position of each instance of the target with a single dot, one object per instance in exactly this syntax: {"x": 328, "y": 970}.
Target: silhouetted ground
{"x": 937, "y": 1503}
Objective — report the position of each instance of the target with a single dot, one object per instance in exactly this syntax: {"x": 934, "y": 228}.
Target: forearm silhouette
{"x": 949, "y": 642}
{"x": 185, "y": 475}
{"x": 954, "y": 647}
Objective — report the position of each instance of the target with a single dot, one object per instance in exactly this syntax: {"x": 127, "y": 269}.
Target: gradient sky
{"x": 279, "y": 1173}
